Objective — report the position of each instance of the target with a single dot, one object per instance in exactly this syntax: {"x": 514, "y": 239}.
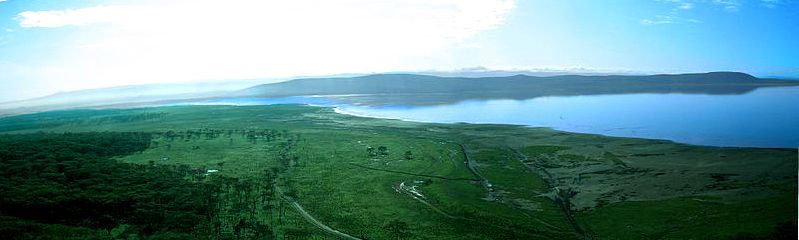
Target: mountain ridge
{"x": 401, "y": 89}
{"x": 383, "y": 89}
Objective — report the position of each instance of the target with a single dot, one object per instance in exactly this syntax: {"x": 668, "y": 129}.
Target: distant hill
{"x": 125, "y": 95}
{"x": 137, "y": 95}
{"x": 538, "y": 72}
{"x": 398, "y": 89}
{"x": 412, "y": 89}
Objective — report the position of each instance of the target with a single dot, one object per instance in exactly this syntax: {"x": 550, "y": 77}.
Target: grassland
{"x": 415, "y": 182}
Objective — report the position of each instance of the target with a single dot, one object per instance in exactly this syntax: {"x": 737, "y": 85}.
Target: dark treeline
{"x": 68, "y": 186}
{"x": 76, "y": 117}
{"x": 252, "y": 136}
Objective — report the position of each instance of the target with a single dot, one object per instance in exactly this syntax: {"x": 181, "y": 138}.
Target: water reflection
{"x": 767, "y": 117}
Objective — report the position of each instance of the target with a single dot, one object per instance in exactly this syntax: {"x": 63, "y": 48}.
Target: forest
{"x": 70, "y": 186}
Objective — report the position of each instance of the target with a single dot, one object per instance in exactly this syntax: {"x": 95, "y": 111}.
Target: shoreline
{"x": 339, "y": 109}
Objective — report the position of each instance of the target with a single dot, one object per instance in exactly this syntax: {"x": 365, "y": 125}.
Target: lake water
{"x": 766, "y": 117}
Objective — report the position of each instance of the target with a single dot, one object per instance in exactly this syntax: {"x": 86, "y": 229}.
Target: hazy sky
{"x": 50, "y": 46}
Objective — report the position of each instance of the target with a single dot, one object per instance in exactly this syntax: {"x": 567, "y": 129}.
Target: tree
{"x": 237, "y": 230}
{"x": 156, "y": 201}
{"x": 408, "y": 155}
{"x": 398, "y": 228}
{"x": 371, "y": 151}
{"x": 382, "y": 150}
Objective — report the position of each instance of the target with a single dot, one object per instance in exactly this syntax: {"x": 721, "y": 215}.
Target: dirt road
{"x": 313, "y": 220}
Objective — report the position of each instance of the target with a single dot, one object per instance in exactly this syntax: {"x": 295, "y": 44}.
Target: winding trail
{"x": 470, "y": 164}
{"x": 483, "y": 181}
{"x": 401, "y": 188}
{"x": 413, "y": 174}
{"x": 561, "y": 199}
{"x": 294, "y": 204}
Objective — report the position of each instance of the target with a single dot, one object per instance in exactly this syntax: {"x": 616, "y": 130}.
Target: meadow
{"x": 389, "y": 179}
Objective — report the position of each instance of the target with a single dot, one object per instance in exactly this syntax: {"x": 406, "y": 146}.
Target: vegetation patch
{"x": 239, "y": 172}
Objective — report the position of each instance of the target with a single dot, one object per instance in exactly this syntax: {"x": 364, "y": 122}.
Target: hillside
{"x": 426, "y": 90}
{"x": 137, "y": 95}
{"x": 121, "y": 95}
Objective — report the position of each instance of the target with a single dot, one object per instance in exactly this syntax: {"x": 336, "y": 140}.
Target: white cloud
{"x": 674, "y": 14}
{"x": 685, "y": 5}
{"x": 771, "y": 3}
{"x": 78, "y": 17}
{"x": 679, "y": 11}
{"x": 189, "y": 40}
{"x": 729, "y": 5}
{"x": 679, "y": 4}
{"x": 661, "y": 19}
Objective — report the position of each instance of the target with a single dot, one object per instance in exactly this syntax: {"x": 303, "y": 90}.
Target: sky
{"x": 55, "y": 46}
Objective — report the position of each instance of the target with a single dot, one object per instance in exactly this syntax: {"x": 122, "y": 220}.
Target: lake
{"x": 765, "y": 117}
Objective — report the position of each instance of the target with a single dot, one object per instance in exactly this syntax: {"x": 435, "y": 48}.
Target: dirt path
{"x": 401, "y": 188}
{"x": 412, "y": 174}
{"x": 294, "y": 204}
{"x": 561, "y": 199}
{"x": 483, "y": 181}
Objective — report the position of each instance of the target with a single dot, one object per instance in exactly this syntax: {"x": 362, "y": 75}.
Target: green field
{"x": 390, "y": 179}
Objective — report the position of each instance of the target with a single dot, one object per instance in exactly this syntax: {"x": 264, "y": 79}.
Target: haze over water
{"x": 765, "y": 117}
